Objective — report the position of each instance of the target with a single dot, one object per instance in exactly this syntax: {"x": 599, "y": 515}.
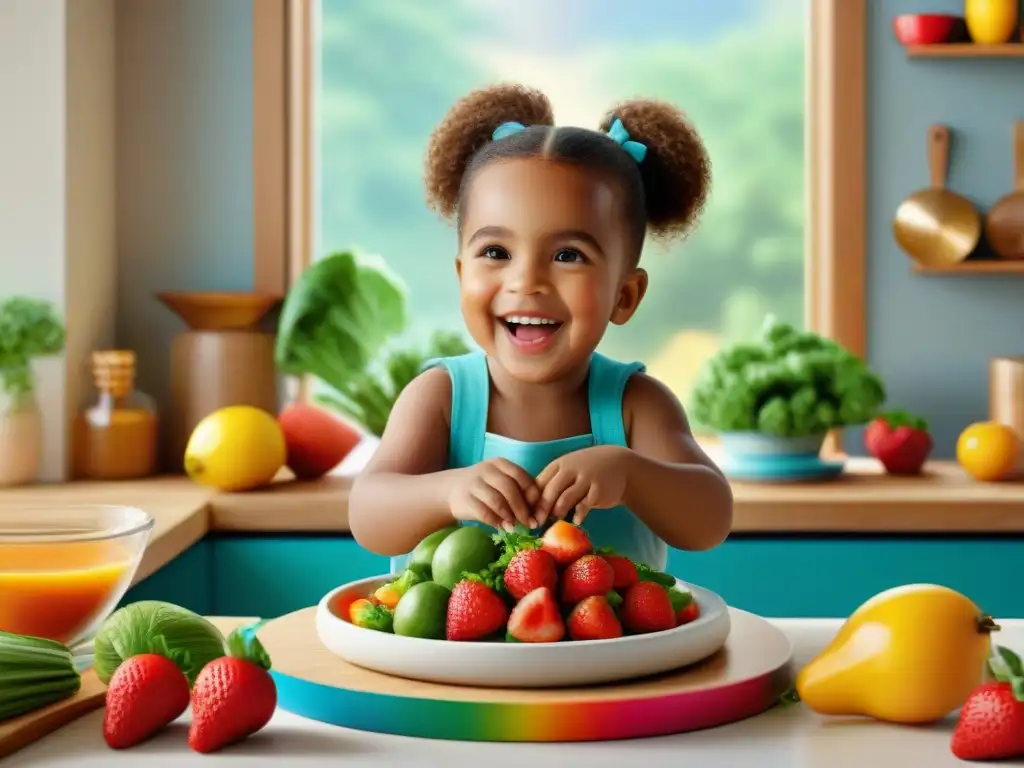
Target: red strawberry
{"x": 145, "y": 694}
{"x": 474, "y": 611}
{"x": 625, "y": 572}
{"x": 529, "y": 570}
{"x": 646, "y": 607}
{"x": 234, "y": 696}
{"x": 991, "y": 721}
{"x": 683, "y": 606}
{"x": 587, "y": 577}
{"x": 536, "y": 618}
{"x": 687, "y": 613}
{"x": 900, "y": 441}
{"x": 566, "y": 542}
{"x": 594, "y": 619}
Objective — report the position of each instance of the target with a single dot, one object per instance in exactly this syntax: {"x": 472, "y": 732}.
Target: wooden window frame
{"x": 285, "y": 177}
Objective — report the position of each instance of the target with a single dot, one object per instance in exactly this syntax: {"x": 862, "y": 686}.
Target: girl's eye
{"x": 569, "y": 256}
{"x": 495, "y": 252}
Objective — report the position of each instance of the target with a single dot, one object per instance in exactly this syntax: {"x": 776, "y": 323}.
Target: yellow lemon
{"x": 988, "y": 451}
{"x": 237, "y": 448}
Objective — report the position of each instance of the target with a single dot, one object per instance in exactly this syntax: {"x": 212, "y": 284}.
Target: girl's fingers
{"x": 570, "y": 497}
{"x": 494, "y": 501}
{"x": 553, "y": 490}
{"x": 588, "y": 503}
{"x": 513, "y": 496}
{"x": 484, "y": 514}
{"x": 522, "y": 478}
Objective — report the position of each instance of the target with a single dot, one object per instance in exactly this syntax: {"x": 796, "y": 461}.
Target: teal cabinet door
{"x": 831, "y": 577}
{"x": 268, "y": 577}
{"x": 770, "y": 576}
{"x": 186, "y": 581}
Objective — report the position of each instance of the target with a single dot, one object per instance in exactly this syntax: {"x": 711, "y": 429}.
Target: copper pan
{"x": 936, "y": 227}
{"x": 1004, "y": 226}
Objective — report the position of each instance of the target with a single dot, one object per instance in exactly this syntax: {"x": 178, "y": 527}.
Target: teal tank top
{"x": 471, "y": 443}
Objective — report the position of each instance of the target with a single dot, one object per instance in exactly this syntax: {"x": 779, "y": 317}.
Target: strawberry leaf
{"x": 1005, "y": 665}
{"x": 790, "y": 697}
{"x": 679, "y": 598}
{"x": 1017, "y": 686}
{"x": 243, "y": 644}
{"x": 614, "y": 599}
{"x": 646, "y": 573}
{"x": 900, "y": 418}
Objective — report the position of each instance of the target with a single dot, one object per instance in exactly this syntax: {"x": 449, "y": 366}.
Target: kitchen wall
{"x": 932, "y": 337}
{"x": 57, "y": 187}
{"x": 184, "y": 165}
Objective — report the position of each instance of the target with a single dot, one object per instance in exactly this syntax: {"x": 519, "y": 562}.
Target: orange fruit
{"x": 988, "y": 450}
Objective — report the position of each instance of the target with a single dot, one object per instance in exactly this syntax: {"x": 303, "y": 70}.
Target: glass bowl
{"x": 64, "y": 569}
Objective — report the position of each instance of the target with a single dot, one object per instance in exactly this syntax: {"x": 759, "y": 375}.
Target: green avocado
{"x": 422, "y": 611}
{"x": 469, "y": 549}
{"x": 422, "y": 556}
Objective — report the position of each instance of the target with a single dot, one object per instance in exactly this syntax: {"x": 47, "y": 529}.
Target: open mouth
{"x": 531, "y": 330}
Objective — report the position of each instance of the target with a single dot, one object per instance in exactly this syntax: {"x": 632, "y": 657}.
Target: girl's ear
{"x": 458, "y": 267}
{"x": 631, "y": 293}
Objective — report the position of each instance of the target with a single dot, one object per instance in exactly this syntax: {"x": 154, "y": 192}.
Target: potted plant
{"x": 29, "y": 329}
{"x": 338, "y": 325}
{"x": 781, "y": 393}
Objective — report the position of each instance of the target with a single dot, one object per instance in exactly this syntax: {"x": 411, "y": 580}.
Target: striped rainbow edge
{"x": 542, "y": 722}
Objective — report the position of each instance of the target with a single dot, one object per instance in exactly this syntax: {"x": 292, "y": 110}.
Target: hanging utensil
{"x": 936, "y": 227}
{"x": 1004, "y": 225}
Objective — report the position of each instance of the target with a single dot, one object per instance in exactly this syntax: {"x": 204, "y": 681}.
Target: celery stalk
{"x": 34, "y": 673}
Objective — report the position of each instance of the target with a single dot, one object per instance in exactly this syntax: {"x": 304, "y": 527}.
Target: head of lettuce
{"x": 151, "y": 626}
{"x": 338, "y": 325}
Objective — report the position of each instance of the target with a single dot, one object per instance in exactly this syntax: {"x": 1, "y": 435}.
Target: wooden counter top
{"x": 864, "y": 501}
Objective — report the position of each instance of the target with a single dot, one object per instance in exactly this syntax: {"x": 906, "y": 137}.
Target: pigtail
{"x": 467, "y": 128}
{"x": 676, "y": 170}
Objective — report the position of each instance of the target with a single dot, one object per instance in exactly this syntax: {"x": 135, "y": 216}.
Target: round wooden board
{"x": 745, "y": 678}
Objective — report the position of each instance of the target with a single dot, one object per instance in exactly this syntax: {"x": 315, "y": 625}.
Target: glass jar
{"x": 21, "y": 438}
{"x": 117, "y": 437}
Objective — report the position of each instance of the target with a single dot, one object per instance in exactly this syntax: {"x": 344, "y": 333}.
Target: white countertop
{"x": 784, "y": 737}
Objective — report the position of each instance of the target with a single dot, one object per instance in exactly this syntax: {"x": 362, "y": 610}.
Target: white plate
{"x": 523, "y": 665}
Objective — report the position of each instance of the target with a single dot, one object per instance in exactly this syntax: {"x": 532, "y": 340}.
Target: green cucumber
{"x": 34, "y": 673}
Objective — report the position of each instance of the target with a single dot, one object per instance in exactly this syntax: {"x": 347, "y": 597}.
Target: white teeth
{"x": 530, "y": 320}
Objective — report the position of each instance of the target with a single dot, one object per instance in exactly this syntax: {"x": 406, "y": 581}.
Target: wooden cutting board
{"x": 22, "y": 731}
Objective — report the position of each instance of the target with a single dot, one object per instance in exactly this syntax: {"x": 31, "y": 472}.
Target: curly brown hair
{"x": 664, "y": 194}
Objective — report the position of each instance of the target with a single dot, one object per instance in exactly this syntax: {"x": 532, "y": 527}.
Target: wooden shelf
{"x": 975, "y": 267}
{"x": 966, "y": 51}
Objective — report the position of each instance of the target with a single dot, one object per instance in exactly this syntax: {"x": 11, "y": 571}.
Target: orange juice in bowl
{"x": 63, "y": 570}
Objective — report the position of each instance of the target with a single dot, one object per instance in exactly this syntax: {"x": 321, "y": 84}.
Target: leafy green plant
{"x": 369, "y": 397}
{"x": 785, "y": 383}
{"x": 29, "y": 329}
{"x": 336, "y": 325}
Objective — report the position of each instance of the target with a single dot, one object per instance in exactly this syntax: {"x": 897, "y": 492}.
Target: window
{"x": 387, "y": 73}
{"x": 346, "y": 94}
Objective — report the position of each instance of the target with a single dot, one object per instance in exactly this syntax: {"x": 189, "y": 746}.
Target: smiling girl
{"x": 538, "y": 425}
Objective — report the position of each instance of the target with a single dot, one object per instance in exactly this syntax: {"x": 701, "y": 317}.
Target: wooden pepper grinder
{"x": 223, "y": 359}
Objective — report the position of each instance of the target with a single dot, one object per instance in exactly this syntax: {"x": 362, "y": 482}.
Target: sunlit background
{"x": 390, "y": 70}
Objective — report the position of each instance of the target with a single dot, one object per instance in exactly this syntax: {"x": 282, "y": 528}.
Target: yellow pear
{"x": 911, "y": 654}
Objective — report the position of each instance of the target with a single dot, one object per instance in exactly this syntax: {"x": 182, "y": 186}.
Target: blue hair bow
{"x": 507, "y": 129}
{"x": 617, "y": 132}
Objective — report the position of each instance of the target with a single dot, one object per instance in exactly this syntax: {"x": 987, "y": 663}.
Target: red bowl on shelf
{"x": 925, "y": 28}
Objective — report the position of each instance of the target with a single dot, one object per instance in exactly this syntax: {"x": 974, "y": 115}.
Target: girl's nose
{"x": 528, "y": 276}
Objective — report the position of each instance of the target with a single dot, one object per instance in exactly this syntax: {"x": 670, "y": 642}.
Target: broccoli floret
{"x": 788, "y": 383}
{"x": 775, "y": 418}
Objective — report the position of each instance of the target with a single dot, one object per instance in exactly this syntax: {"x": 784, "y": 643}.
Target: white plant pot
{"x": 21, "y": 440}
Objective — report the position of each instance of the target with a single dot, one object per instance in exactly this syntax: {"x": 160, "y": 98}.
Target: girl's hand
{"x": 496, "y": 492}
{"x": 592, "y": 478}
